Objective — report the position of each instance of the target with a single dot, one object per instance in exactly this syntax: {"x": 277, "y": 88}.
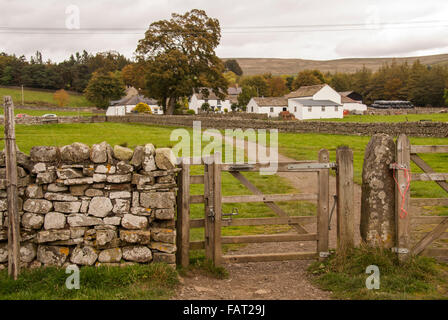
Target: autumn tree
{"x": 61, "y": 97}
{"x": 133, "y": 75}
{"x": 257, "y": 82}
{"x": 308, "y": 78}
{"x": 104, "y": 87}
{"x": 231, "y": 78}
{"x": 276, "y": 86}
{"x": 179, "y": 58}
{"x": 247, "y": 93}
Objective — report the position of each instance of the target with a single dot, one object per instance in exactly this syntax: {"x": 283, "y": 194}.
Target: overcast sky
{"x": 318, "y": 29}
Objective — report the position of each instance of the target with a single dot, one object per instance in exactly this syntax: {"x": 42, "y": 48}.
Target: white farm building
{"x": 124, "y": 106}
{"x": 198, "y": 99}
{"x": 271, "y": 106}
{"x": 308, "y": 102}
{"x": 352, "y": 102}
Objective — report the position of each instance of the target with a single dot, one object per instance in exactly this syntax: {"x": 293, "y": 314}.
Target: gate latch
{"x": 233, "y": 213}
{"x": 211, "y": 214}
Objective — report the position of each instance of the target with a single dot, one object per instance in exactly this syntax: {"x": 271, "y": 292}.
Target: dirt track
{"x": 270, "y": 280}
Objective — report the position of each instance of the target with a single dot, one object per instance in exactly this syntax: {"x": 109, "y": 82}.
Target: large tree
{"x": 104, "y": 87}
{"x": 179, "y": 58}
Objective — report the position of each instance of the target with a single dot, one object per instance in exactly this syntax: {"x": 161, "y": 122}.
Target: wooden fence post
{"x": 402, "y": 221}
{"x": 345, "y": 198}
{"x": 323, "y": 204}
{"x": 208, "y": 210}
{"x": 11, "y": 178}
{"x": 183, "y": 216}
{"x": 217, "y": 198}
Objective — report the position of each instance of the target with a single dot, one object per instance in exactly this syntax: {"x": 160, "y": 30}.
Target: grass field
{"x": 42, "y": 98}
{"x": 138, "y": 282}
{"x": 442, "y": 117}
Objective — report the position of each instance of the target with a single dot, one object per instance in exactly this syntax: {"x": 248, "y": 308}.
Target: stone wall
{"x": 65, "y": 119}
{"x": 417, "y": 129}
{"x": 416, "y": 110}
{"x": 414, "y": 129}
{"x": 93, "y": 206}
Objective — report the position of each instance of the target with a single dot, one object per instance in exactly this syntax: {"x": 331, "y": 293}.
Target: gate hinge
{"x": 400, "y": 250}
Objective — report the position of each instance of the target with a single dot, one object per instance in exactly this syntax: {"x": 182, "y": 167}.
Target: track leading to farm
{"x": 276, "y": 280}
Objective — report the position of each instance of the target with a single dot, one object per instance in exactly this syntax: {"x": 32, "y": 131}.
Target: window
{"x": 219, "y": 102}
{"x": 336, "y": 108}
{"x": 310, "y": 109}
{"x": 323, "y": 109}
{"x": 205, "y": 100}
{"x": 272, "y": 109}
{"x": 252, "y": 109}
{"x": 295, "y": 109}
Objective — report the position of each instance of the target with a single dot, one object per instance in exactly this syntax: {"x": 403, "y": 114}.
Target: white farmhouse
{"x": 271, "y": 106}
{"x": 123, "y": 106}
{"x": 197, "y": 99}
{"x": 308, "y": 102}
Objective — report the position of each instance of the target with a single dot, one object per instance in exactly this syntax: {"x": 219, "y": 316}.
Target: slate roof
{"x": 271, "y": 101}
{"x": 305, "y": 91}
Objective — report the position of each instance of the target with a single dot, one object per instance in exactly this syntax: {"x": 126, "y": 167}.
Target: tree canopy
{"x": 232, "y": 65}
{"x": 104, "y": 87}
{"x": 178, "y": 56}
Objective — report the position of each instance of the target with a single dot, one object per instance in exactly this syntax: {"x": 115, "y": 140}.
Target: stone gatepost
{"x": 378, "y": 193}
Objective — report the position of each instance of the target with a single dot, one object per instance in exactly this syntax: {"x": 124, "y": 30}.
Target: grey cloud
{"x": 309, "y": 45}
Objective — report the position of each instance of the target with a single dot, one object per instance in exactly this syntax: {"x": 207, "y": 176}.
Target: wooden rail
{"x": 303, "y": 220}
{"x": 429, "y": 149}
{"x": 269, "y": 257}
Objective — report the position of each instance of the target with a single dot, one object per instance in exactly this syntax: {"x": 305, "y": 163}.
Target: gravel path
{"x": 277, "y": 280}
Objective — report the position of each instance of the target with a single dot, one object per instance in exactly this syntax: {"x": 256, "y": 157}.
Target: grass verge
{"x": 345, "y": 275}
{"x": 143, "y": 282}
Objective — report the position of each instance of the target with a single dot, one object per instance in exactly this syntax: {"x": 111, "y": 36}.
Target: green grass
{"x": 306, "y": 146}
{"x": 443, "y": 117}
{"x": 345, "y": 276}
{"x": 42, "y": 98}
{"x": 90, "y": 133}
{"x": 147, "y": 282}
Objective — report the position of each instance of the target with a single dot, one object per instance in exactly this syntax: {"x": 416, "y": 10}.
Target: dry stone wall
{"x": 93, "y": 206}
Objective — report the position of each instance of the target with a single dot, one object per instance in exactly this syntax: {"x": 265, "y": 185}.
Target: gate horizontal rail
{"x": 270, "y": 257}
{"x": 303, "y": 220}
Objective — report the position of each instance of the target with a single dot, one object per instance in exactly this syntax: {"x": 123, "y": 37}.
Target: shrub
{"x": 142, "y": 108}
{"x": 61, "y": 97}
{"x": 190, "y": 111}
{"x": 226, "y": 110}
{"x": 205, "y": 106}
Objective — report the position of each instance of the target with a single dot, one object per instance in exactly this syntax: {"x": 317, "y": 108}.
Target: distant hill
{"x": 277, "y": 66}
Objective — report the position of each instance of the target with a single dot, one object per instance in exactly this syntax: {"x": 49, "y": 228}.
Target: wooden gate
{"x": 214, "y": 220}
{"x": 408, "y": 221}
